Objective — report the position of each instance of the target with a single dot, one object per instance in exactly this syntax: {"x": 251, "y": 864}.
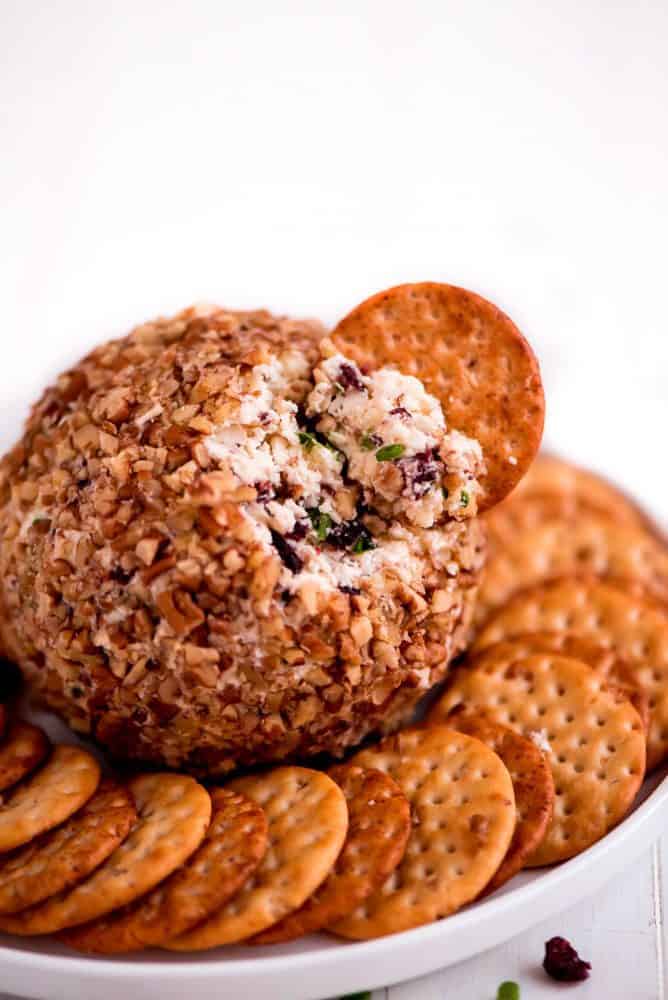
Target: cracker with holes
{"x": 553, "y": 476}
{"x": 378, "y": 828}
{"x": 591, "y": 545}
{"x": 233, "y": 846}
{"x": 463, "y": 812}
{"x": 532, "y": 783}
{"x": 173, "y": 813}
{"x": 24, "y": 747}
{"x": 48, "y": 798}
{"x": 519, "y": 514}
{"x": 593, "y": 738}
{"x": 633, "y": 628}
{"x": 603, "y": 659}
{"x": 308, "y": 821}
{"x": 469, "y": 355}
{"x": 63, "y": 857}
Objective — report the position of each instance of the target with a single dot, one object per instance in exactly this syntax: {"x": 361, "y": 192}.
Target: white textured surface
{"x": 303, "y": 155}
{"x": 621, "y": 931}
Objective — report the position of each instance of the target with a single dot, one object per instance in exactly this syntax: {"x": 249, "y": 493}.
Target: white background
{"x": 304, "y": 155}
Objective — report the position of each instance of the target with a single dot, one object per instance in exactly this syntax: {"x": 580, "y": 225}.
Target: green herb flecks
{"x": 307, "y": 441}
{"x": 321, "y": 523}
{"x": 364, "y": 543}
{"x": 508, "y": 991}
{"x": 367, "y": 442}
{"x": 332, "y": 447}
{"x": 389, "y": 452}
{"x": 464, "y": 498}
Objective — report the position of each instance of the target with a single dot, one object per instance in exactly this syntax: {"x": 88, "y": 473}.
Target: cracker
{"x": 63, "y": 857}
{"x": 593, "y": 738}
{"x": 173, "y": 814}
{"x": 520, "y": 513}
{"x": 308, "y": 820}
{"x": 48, "y": 798}
{"x": 463, "y": 811}
{"x": 590, "y": 544}
{"x": 634, "y": 629}
{"x": 24, "y": 747}
{"x": 552, "y": 475}
{"x": 532, "y": 783}
{"x": 577, "y": 647}
{"x": 468, "y": 354}
{"x": 379, "y": 824}
{"x": 233, "y": 847}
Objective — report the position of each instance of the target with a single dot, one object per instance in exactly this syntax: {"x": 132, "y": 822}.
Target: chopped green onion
{"x": 321, "y": 522}
{"x": 367, "y": 443}
{"x": 332, "y": 447}
{"x": 508, "y": 991}
{"x": 464, "y": 498}
{"x": 389, "y": 452}
{"x": 363, "y": 544}
{"x": 323, "y": 526}
{"x": 307, "y": 440}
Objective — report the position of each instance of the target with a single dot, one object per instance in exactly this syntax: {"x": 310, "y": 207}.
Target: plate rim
{"x": 217, "y": 965}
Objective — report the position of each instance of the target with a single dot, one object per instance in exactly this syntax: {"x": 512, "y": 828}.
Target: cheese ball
{"x": 222, "y": 543}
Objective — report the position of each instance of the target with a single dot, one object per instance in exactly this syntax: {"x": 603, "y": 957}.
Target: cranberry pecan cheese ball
{"x": 223, "y": 543}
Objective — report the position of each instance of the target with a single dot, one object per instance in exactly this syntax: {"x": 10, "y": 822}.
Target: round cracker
{"x": 519, "y": 513}
{"x": 590, "y": 544}
{"x": 552, "y": 475}
{"x": 532, "y": 783}
{"x": 471, "y": 356}
{"x": 593, "y": 738}
{"x": 233, "y": 847}
{"x": 577, "y": 647}
{"x": 379, "y": 822}
{"x": 63, "y": 857}
{"x": 48, "y": 798}
{"x": 173, "y": 812}
{"x": 308, "y": 821}
{"x": 634, "y": 629}
{"x": 24, "y": 747}
{"x": 463, "y": 810}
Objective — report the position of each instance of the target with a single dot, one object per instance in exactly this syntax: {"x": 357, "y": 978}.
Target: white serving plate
{"x": 321, "y": 966}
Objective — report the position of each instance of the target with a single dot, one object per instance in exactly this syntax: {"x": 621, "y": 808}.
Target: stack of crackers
{"x": 537, "y": 747}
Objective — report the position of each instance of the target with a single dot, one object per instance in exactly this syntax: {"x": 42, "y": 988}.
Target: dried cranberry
{"x": 350, "y": 378}
{"x": 345, "y": 535}
{"x": 400, "y": 411}
{"x": 345, "y": 589}
{"x": 299, "y": 531}
{"x": 421, "y": 471}
{"x": 264, "y": 490}
{"x": 562, "y": 962}
{"x": 289, "y": 557}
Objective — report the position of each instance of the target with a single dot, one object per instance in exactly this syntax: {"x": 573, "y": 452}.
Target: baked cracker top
{"x": 469, "y": 355}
